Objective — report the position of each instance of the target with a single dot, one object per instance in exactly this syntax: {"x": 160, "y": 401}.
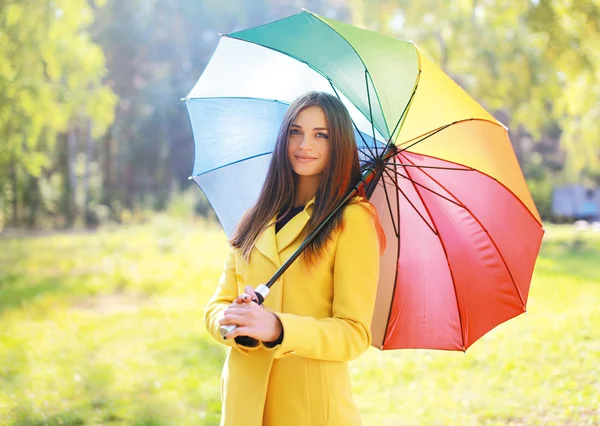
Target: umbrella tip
{"x": 190, "y": 177}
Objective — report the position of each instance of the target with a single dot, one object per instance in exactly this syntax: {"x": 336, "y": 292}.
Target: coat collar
{"x": 271, "y": 244}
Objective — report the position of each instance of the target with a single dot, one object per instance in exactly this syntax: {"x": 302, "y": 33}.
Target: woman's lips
{"x": 304, "y": 159}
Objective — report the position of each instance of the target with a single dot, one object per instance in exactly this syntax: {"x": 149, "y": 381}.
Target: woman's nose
{"x": 304, "y": 142}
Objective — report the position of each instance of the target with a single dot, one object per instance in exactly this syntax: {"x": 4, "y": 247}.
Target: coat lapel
{"x": 267, "y": 244}
{"x": 271, "y": 244}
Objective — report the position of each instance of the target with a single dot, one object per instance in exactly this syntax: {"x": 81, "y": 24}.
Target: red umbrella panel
{"x": 461, "y": 247}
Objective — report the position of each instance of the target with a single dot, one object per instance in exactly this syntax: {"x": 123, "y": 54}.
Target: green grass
{"x": 107, "y": 329}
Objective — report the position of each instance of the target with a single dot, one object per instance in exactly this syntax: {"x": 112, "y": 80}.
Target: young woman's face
{"x": 308, "y": 147}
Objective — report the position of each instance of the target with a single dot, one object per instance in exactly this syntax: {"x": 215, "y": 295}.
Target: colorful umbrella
{"x": 462, "y": 230}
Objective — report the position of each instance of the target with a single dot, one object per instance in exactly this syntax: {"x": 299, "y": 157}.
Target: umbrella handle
{"x": 262, "y": 291}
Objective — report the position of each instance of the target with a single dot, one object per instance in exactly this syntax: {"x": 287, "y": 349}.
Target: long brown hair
{"x": 339, "y": 176}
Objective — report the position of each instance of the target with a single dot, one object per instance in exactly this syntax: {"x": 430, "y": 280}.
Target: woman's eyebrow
{"x": 316, "y": 128}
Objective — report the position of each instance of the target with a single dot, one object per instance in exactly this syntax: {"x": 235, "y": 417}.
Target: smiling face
{"x": 308, "y": 147}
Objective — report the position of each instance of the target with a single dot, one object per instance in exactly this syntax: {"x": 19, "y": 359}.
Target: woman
{"x": 318, "y": 315}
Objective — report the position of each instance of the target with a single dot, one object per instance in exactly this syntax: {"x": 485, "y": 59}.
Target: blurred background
{"x": 108, "y": 253}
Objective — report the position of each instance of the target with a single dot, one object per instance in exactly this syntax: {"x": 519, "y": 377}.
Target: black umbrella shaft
{"x": 369, "y": 180}
{"x": 367, "y": 177}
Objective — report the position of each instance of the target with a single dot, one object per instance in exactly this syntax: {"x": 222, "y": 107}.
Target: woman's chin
{"x": 306, "y": 172}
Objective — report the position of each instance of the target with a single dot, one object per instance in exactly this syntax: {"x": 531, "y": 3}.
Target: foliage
{"x": 107, "y": 328}
{"x": 531, "y": 63}
{"x": 50, "y": 74}
{"x": 90, "y": 90}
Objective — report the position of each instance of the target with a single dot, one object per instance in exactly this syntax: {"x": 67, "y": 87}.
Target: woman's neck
{"x": 306, "y": 188}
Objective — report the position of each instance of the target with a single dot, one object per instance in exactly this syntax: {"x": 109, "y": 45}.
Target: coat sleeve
{"x": 225, "y": 294}
{"x": 347, "y": 334}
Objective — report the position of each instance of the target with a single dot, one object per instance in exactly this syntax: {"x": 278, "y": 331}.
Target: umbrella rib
{"x": 460, "y": 317}
{"x": 396, "y": 228}
{"x": 420, "y": 138}
{"x": 467, "y": 168}
{"x": 371, "y": 109}
{"x": 427, "y": 136}
{"x": 399, "y": 242}
{"x": 488, "y": 234}
{"x": 214, "y": 100}
{"x": 410, "y": 202}
{"x": 210, "y": 138}
{"x": 387, "y": 130}
{"x": 405, "y": 109}
{"x": 424, "y": 187}
{"x": 232, "y": 163}
{"x": 461, "y": 169}
{"x": 367, "y": 153}
{"x": 372, "y": 156}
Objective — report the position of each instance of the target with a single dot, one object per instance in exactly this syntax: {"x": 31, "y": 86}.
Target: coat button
{"x": 239, "y": 278}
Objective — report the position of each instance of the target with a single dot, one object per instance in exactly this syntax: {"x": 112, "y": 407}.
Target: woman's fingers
{"x": 237, "y": 310}
{"x": 239, "y": 301}
{"x": 239, "y": 320}
{"x": 239, "y": 331}
{"x": 249, "y": 290}
{"x": 248, "y": 296}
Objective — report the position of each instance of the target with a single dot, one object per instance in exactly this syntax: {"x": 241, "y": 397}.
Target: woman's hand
{"x": 251, "y": 319}
{"x": 248, "y": 296}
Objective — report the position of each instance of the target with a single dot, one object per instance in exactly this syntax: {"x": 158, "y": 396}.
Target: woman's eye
{"x": 322, "y": 135}
{"x": 294, "y": 132}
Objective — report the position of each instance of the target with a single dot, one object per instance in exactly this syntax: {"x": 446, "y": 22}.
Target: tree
{"x": 50, "y": 74}
{"x": 532, "y": 64}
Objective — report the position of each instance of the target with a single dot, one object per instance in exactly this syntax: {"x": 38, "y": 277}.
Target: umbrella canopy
{"x": 462, "y": 230}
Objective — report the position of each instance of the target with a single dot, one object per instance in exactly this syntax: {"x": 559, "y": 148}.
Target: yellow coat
{"x": 326, "y": 317}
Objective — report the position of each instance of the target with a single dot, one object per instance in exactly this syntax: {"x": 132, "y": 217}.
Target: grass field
{"x": 107, "y": 329}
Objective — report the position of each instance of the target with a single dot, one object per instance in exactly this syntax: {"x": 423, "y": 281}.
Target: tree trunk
{"x": 107, "y": 171}
{"x": 69, "y": 178}
{"x": 14, "y": 221}
{"x": 33, "y": 201}
{"x": 165, "y": 160}
{"x": 86, "y": 176}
